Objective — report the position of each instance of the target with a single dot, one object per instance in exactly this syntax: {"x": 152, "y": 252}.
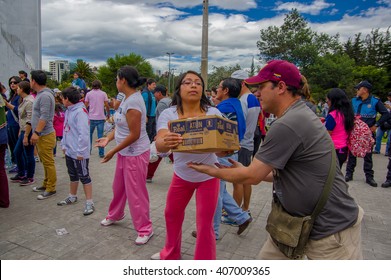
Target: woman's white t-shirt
{"x": 181, "y": 159}
{"x": 134, "y": 102}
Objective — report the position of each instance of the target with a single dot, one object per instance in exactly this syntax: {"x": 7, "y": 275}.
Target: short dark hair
{"x": 131, "y": 75}
{"x": 23, "y": 72}
{"x": 96, "y": 84}
{"x": 39, "y": 77}
{"x": 162, "y": 89}
{"x": 233, "y": 85}
{"x": 150, "y": 81}
{"x": 72, "y": 94}
{"x": 25, "y": 86}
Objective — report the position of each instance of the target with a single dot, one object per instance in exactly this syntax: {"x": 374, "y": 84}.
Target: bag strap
{"x": 327, "y": 188}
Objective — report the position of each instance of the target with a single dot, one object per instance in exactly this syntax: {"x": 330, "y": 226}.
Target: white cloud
{"x": 95, "y": 30}
{"x": 313, "y": 9}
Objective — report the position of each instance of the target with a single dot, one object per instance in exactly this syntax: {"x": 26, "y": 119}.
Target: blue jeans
{"x": 226, "y": 200}
{"x": 24, "y": 157}
{"x": 379, "y": 136}
{"x": 99, "y": 124}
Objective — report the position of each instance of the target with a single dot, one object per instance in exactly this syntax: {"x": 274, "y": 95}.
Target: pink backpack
{"x": 360, "y": 140}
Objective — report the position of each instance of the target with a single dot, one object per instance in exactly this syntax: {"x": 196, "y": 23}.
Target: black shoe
{"x": 375, "y": 152}
{"x": 348, "y": 178}
{"x": 371, "y": 182}
{"x": 386, "y": 184}
{"x": 243, "y": 226}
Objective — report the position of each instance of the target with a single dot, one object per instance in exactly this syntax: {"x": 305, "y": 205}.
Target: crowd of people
{"x": 295, "y": 153}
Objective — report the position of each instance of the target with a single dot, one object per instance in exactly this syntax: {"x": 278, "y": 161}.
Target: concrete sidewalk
{"x": 28, "y": 226}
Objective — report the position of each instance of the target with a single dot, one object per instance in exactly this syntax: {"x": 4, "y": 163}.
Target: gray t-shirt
{"x": 298, "y": 146}
{"x": 163, "y": 104}
{"x": 43, "y": 109}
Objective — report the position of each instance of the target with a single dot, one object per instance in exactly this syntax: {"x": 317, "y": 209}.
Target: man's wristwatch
{"x": 38, "y": 133}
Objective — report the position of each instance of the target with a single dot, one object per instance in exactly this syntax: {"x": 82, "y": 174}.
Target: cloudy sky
{"x": 95, "y": 30}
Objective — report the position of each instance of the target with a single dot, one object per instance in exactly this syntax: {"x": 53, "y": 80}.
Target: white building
{"x": 58, "y": 68}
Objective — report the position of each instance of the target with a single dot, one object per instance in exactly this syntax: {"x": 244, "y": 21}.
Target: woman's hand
{"x": 101, "y": 142}
{"x": 108, "y": 156}
{"x": 171, "y": 140}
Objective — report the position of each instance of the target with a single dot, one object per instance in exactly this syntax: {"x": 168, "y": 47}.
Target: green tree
{"x": 330, "y": 71}
{"x": 220, "y": 73}
{"x": 295, "y": 41}
{"x": 107, "y": 73}
{"x": 355, "y": 48}
{"x": 378, "y": 77}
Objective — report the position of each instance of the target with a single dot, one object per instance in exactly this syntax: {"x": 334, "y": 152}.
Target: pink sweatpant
{"x": 129, "y": 183}
{"x": 178, "y": 196}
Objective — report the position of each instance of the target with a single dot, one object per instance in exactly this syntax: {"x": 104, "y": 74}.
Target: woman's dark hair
{"x": 131, "y": 75}
{"x": 340, "y": 102}
{"x": 25, "y": 86}
{"x": 177, "y": 100}
{"x": 72, "y": 94}
{"x": 11, "y": 91}
{"x": 58, "y": 109}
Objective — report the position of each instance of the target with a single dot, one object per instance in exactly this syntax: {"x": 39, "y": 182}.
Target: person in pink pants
{"x": 188, "y": 101}
{"x": 133, "y": 156}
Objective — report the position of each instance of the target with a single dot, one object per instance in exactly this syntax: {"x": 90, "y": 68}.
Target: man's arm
{"x": 256, "y": 172}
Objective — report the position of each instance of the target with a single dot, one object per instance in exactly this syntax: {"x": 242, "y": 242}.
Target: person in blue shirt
{"x": 150, "y": 105}
{"x": 78, "y": 82}
{"x": 366, "y": 106}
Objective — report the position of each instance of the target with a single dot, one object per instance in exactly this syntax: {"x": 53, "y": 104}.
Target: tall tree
{"x": 295, "y": 41}
{"x": 355, "y": 48}
{"x": 220, "y": 73}
{"x": 107, "y": 73}
{"x": 329, "y": 71}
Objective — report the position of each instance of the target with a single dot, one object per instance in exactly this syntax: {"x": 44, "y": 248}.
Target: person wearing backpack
{"x": 339, "y": 122}
{"x": 366, "y": 106}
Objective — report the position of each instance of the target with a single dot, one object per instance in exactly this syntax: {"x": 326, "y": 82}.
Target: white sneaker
{"x": 156, "y": 256}
{"x": 143, "y": 239}
{"x": 107, "y": 222}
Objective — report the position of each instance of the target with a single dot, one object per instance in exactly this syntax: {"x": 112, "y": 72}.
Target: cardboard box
{"x": 207, "y": 134}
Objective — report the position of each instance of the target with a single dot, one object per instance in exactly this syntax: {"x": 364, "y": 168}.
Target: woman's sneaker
{"x": 143, "y": 239}
{"x": 107, "y": 222}
{"x": 67, "y": 201}
{"x": 27, "y": 182}
{"x": 88, "y": 209}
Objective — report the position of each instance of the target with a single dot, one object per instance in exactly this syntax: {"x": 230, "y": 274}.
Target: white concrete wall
{"x": 20, "y": 37}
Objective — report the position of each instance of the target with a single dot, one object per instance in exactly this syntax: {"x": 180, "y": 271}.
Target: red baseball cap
{"x": 275, "y": 71}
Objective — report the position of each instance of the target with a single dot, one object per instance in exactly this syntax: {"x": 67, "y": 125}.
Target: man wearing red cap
{"x": 296, "y": 156}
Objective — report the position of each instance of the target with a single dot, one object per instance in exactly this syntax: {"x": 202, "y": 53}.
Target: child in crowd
{"x": 58, "y": 124}
{"x": 76, "y": 146}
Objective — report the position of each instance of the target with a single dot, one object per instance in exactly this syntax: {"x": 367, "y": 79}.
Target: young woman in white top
{"x": 132, "y": 158}
{"x": 189, "y": 101}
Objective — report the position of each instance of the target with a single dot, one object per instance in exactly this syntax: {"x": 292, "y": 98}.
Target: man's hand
{"x": 34, "y": 139}
{"x": 373, "y": 128}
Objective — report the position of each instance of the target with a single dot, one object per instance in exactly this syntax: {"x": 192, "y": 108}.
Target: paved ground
{"x": 28, "y": 226}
